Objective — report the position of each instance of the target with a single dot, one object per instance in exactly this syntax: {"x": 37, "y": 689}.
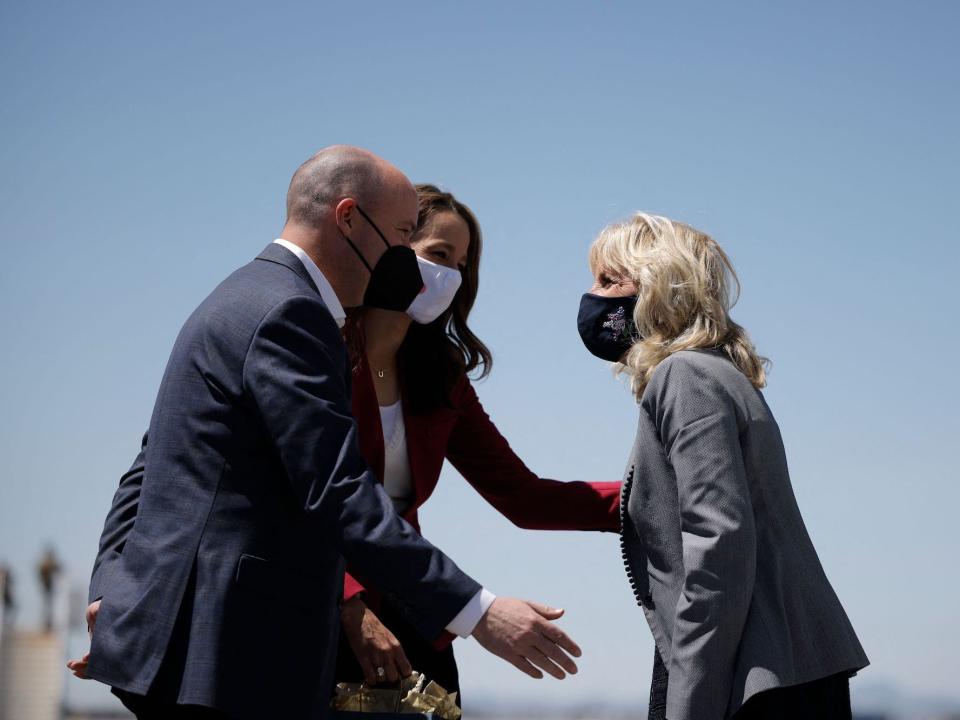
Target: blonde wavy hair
{"x": 685, "y": 289}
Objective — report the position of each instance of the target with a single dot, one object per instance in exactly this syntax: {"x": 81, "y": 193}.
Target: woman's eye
{"x": 440, "y": 254}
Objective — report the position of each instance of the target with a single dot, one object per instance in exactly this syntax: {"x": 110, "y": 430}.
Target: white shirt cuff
{"x": 466, "y": 620}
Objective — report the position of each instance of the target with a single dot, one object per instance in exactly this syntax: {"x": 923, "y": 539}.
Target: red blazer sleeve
{"x": 484, "y": 458}
{"x": 351, "y": 586}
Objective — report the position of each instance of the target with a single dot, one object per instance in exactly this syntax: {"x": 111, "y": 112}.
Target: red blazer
{"x": 465, "y": 435}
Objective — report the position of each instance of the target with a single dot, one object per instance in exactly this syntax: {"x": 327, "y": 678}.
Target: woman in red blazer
{"x": 410, "y": 384}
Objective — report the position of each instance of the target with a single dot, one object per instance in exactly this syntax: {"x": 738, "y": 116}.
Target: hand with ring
{"x": 377, "y": 649}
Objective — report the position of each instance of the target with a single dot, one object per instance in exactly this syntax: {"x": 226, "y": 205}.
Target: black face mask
{"x": 395, "y": 280}
{"x": 606, "y": 325}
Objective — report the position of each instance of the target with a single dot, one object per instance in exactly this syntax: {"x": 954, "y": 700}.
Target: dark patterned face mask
{"x": 606, "y": 325}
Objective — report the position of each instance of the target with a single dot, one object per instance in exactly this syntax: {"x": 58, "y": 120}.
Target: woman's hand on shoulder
{"x": 373, "y": 643}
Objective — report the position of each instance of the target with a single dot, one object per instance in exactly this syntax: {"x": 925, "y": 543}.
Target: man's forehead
{"x": 407, "y": 210}
{"x": 396, "y": 184}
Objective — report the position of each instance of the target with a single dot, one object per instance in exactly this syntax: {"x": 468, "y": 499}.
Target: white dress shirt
{"x": 466, "y": 620}
{"x": 330, "y": 298}
{"x": 397, "y": 480}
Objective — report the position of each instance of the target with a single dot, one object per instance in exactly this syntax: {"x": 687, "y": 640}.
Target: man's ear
{"x": 344, "y": 212}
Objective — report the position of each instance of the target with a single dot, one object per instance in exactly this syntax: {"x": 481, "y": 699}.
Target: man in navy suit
{"x": 216, "y": 588}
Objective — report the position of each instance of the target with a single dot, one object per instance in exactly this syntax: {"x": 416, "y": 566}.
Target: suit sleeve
{"x": 699, "y": 429}
{"x": 119, "y": 523}
{"x": 485, "y": 459}
{"x": 295, "y": 375}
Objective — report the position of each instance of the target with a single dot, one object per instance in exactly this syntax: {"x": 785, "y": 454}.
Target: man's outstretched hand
{"x": 518, "y": 631}
{"x": 79, "y": 667}
{"x": 521, "y": 633}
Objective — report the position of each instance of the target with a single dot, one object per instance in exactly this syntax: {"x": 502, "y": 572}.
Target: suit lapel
{"x": 417, "y": 426}
{"x": 366, "y": 410}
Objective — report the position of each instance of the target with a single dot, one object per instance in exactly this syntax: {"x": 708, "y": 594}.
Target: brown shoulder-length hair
{"x": 434, "y": 357}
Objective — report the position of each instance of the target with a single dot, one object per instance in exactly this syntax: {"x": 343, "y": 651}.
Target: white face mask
{"x": 440, "y": 284}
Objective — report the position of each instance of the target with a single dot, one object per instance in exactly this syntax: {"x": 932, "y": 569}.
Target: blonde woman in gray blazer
{"x": 743, "y": 617}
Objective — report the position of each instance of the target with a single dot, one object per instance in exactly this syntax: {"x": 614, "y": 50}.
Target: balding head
{"x": 344, "y": 206}
{"x": 337, "y": 172}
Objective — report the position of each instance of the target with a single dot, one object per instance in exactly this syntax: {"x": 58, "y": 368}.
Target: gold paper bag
{"x": 410, "y": 696}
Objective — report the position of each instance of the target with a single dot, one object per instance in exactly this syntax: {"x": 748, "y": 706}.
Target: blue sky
{"x": 145, "y": 152}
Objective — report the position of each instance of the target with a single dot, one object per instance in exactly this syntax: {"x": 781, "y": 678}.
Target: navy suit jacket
{"x": 221, "y": 561}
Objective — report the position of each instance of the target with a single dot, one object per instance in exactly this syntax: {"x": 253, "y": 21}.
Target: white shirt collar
{"x": 330, "y": 298}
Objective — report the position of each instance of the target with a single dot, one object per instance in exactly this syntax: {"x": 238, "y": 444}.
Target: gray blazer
{"x": 716, "y": 550}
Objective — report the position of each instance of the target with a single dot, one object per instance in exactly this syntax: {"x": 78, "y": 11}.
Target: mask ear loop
{"x": 358, "y": 253}
{"x": 373, "y": 225}
{"x": 354, "y": 247}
